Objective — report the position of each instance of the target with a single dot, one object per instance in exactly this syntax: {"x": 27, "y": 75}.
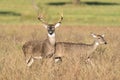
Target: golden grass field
{"x": 106, "y": 58}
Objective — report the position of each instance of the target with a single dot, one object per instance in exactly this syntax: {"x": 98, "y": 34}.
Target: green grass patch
{"x": 89, "y": 12}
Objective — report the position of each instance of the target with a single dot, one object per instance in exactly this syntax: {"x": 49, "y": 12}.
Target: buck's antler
{"x": 61, "y": 18}
{"x": 40, "y": 17}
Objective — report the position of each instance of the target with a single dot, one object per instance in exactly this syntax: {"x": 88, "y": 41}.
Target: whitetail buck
{"x": 40, "y": 49}
{"x": 64, "y": 49}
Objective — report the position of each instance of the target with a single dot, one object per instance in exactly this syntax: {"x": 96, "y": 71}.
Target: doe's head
{"x": 99, "y": 38}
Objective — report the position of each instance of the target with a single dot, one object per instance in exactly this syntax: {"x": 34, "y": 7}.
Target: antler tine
{"x": 40, "y": 17}
{"x": 61, "y": 18}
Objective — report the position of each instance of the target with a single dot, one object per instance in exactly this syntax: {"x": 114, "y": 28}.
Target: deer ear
{"x": 94, "y": 35}
{"x": 45, "y": 26}
{"x": 57, "y": 24}
{"x": 103, "y": 35}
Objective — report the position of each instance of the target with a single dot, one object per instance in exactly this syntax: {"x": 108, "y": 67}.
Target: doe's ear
{"x": 93, "y": 35}
{"x": 103, "y": 35}
{"x": 57, "y": 24}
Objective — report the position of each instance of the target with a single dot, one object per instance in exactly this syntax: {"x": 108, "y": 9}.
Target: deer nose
{"x": 50, "y": 32}
{"x": 105, "y": 42}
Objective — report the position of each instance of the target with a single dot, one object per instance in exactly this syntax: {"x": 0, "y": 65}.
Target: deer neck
{"x": 51, "y": 38}
{"x": 95, "y": 44}
{"x": 92, "y": 47}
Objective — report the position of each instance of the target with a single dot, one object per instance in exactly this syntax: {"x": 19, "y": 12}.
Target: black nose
{"x": 50, "y": 32}
{"x": 105, "y": 42}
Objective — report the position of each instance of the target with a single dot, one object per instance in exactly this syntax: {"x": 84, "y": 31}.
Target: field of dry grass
{"x": 106, "y": 58}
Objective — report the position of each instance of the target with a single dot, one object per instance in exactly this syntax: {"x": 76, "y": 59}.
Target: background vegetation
{"x": 106, "y": 58}
{"x": 89, "y": 12}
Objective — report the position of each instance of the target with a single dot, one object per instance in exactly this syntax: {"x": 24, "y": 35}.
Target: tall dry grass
{"x": 106, "y": 58}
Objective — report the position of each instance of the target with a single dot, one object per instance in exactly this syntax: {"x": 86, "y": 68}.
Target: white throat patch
{"x": 53, "y": 35}
{"x": 52, "y": 38}
{"x": 97, "y": 43}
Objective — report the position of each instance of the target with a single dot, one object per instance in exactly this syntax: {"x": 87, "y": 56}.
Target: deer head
{"x": 99, "y": 38}
{"x": 50, "y": 27}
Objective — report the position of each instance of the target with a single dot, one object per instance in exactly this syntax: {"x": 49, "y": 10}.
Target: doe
{"x": 64, "y": 49}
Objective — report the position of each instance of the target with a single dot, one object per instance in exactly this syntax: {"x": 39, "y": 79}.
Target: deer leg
{"x": 30, "y": 62}
{"x": 57, "y": 59}
{"x": 49, "y": 55}
{"x": 28, "y": 58}
{"x": 88, "y": 60}
{"x": 38, "y": 57}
